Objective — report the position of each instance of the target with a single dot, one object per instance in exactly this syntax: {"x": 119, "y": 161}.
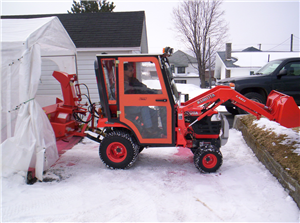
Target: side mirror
{"x": 282, "y": 73}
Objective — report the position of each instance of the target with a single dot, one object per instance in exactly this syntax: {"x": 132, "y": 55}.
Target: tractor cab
{"x": 136, "y": 93}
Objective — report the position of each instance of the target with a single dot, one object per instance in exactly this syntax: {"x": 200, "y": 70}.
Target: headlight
{"x": 230, "y": 84}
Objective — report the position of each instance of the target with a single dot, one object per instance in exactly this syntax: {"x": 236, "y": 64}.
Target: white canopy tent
{"x": 26, "y": 134}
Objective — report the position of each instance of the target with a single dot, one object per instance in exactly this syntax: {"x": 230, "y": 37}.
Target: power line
{"x": 296, "y": 37}
{"x": 288, "y": 39}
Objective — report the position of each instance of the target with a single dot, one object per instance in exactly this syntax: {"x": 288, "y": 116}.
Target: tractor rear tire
{"x": 118, "y": 150}
{"x": 208, "y": 160}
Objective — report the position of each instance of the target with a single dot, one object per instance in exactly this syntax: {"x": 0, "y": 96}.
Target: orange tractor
{"x": 140, "y": 107}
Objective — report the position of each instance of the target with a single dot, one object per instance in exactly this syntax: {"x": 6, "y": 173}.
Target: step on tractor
{"x": 140, "y": 107}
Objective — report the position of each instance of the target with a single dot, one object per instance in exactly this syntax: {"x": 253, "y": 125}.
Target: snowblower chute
{"x": 62, "y": 115}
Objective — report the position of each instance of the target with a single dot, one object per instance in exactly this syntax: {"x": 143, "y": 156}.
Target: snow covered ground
{"x": 163, "y": 185}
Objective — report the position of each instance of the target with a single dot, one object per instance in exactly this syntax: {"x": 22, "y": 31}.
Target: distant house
{"x": 185, "y": 69}
{"x": 183, "y": 64}
{"x": 246, "y": 62}
{"x": 92, "y": 34}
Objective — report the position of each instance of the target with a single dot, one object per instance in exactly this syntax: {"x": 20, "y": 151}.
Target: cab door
{"x": 145, "y": 108}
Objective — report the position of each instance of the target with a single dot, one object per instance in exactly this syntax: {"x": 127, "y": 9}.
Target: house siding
{"x": 191, "y": 69}
{"x": 86, "y": 70}
{"x": 49, "y": 88}
{"x": 189, "y": 80}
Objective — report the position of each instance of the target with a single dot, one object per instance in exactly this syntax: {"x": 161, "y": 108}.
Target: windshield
{"x": 269, "y": 67}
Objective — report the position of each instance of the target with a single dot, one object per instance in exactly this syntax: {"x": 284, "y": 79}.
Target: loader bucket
{"x": 284, "y": 109}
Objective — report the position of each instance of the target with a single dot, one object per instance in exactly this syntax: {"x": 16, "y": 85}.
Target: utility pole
{"x": 292, "y": 36}
{"x": 209, "y": 73}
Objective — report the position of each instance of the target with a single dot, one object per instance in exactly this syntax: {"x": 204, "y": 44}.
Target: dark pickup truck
{"x": 282, "y": 75}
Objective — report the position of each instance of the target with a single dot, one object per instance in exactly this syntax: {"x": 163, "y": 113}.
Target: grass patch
{"x": 278, "y": 146}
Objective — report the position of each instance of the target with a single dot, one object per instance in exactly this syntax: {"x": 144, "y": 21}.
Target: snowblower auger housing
{"x": 141, "y": 108}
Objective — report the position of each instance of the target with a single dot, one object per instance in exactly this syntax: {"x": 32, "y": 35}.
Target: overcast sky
{"x": 252, "y": 22}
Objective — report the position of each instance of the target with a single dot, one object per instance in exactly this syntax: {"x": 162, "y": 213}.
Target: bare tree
{"x": 197, "y": 21}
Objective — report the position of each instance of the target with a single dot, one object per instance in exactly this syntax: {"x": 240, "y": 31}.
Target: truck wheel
{"x": 254, "y": 97}
{"x": 118, "y": 150}
{"x": 208, "y": 160}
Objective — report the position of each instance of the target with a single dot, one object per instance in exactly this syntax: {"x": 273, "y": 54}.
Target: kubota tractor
{"x": 140, "y": 107}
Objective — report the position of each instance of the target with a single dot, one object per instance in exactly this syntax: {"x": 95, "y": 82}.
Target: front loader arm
{"x": 279, "y": 107}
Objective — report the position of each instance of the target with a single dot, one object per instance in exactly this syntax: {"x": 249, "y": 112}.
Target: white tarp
{"x": 26, "y": 134}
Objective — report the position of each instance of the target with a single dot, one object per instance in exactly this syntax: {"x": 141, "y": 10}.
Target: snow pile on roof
{"x": 259, "y": 59}
{"x": 291, "y": 135}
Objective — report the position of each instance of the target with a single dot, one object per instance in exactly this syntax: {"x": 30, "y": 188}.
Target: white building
{"x": 244, "y": 63}
{"x": 183, "y": 64}
{"x": 92, "y": 34}
{"x": 184, "y": 68}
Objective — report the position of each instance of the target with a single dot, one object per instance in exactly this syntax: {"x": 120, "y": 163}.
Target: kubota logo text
{"x": 206, "y": 98}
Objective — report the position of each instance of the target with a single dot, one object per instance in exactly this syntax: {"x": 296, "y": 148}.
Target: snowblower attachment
{"x": 284, "y": 109}
{"x": 61, "y": 114}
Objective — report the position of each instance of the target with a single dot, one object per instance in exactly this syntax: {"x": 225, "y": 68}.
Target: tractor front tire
{"x": 208, "y": 160}
{"x": 118, "y": 150}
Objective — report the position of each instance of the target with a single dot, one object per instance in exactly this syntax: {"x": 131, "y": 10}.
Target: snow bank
{"x": 291, "y": 135}
{"x": 163, "y": 185}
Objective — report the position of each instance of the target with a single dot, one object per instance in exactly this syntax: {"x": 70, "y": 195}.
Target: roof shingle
{"x": 96, "y": 30}
{"x": 180, "y": 58}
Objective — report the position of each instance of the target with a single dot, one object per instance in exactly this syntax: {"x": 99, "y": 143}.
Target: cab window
{"x": 109, "y": 78}
{"x": 141, "y": 78}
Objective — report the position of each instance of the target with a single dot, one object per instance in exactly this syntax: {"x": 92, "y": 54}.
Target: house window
{"x": 227, "y": 74}
{"x": 172, "y": 69}
{"x": 181, "y": 70}
{"x": 180, "y": 81}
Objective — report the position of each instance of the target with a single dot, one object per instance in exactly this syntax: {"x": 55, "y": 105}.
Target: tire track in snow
{"x": 205, "y": 205}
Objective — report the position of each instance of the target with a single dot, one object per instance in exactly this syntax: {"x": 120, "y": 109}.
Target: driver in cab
{"x": 132, "y": 85}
